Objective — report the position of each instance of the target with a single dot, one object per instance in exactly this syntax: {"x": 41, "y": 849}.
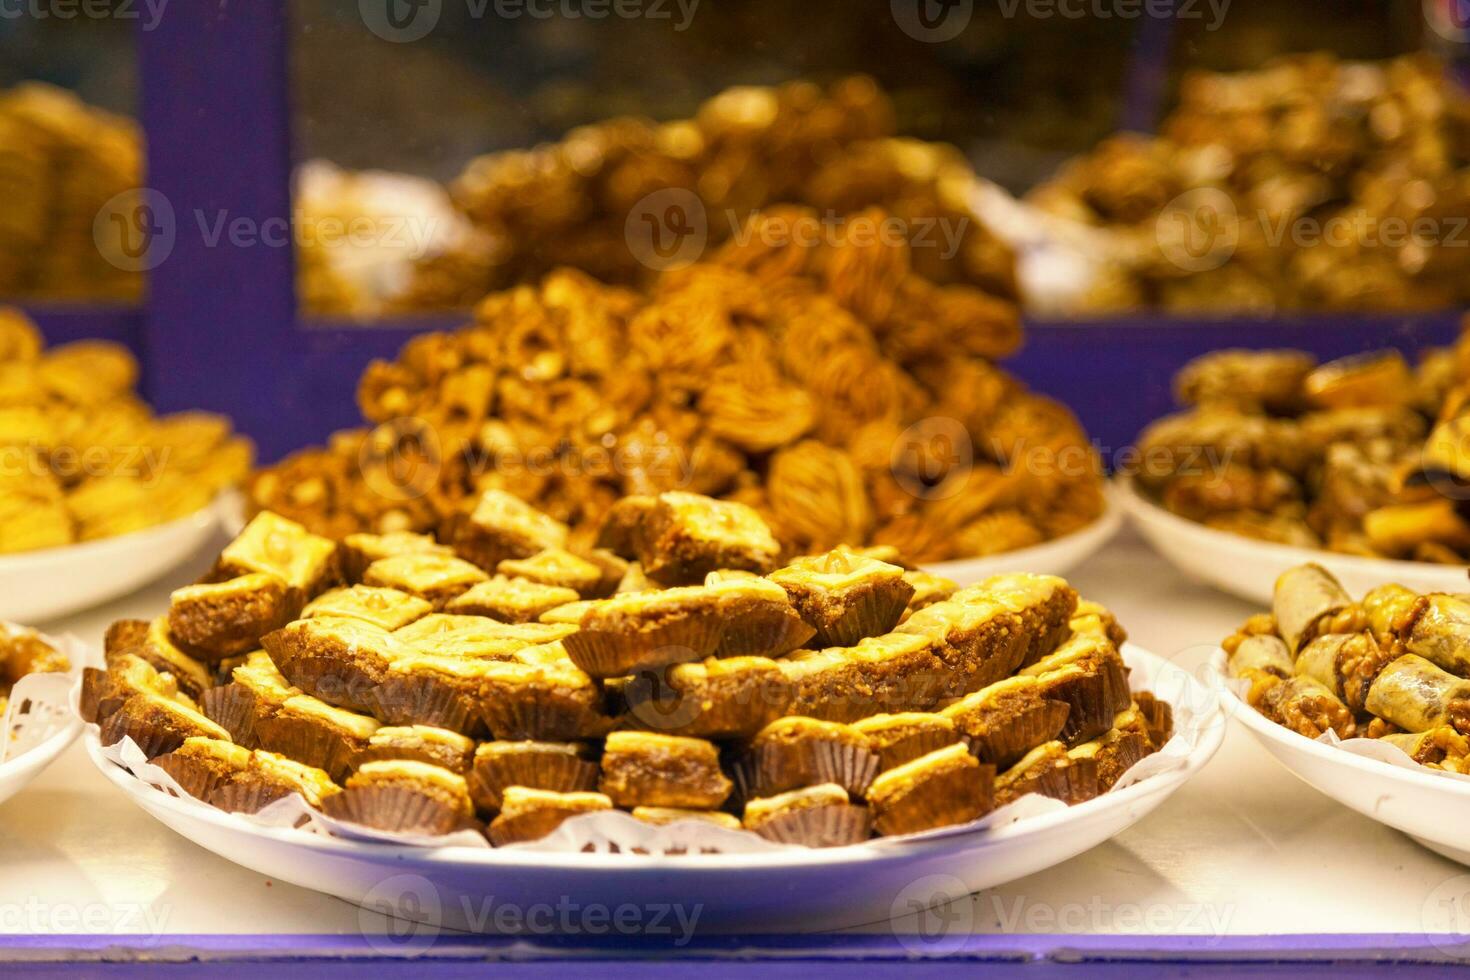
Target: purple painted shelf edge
{"x": 1295, "y": 948}
{"x": 736, "y": 958}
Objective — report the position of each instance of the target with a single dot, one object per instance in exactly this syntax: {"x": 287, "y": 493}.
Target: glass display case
{"x": 72, "y": 149}
{"x": 1003, "y": 92}
{"x": 628, "y": 451}
{"x": 406, "y": 161}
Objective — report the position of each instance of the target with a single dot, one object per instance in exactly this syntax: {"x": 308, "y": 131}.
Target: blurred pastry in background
{"x": 747, "y": 148}
{"x": 1365, "y": 455}
{"x": 372, "y": 243}
{"x": 61, "y": 162}
{"x": 82, "y": 457}
{"x": 827, "y": 384}
{"x": 1311, "y": 183}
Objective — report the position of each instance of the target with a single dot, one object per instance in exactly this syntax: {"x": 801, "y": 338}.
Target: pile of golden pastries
{"x": 747, "y": 148}
{"x": 569, "y": 204}
{"x": 1347, "y": 186}
{"x": 373, "y": 243}
{"x": 370, "y": 244}
{"x": 1364, "y": 455}
{"x": 61, "y": 161}
{"x": 833, "y": 388}
{"x": 677, "y": 670}
{"x": 81, "y": 457}
{"x": 1391, "y": 665}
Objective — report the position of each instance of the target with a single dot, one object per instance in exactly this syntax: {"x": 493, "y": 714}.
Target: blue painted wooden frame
{"x": 221, "y": 327}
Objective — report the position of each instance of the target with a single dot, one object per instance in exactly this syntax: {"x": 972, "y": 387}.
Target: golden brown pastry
{"x": 646, "y": 769}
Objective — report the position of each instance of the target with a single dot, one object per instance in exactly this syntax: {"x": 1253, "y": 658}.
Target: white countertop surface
{"x": 1243, "y": 849}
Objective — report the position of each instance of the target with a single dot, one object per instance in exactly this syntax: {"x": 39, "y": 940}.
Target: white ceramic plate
{"x": 36, "y": 586}
{"x": 232, "y": 507}
{"x": 1248, "y": 568}
{"x": 16, "y": 773}
{"x": 763, "y": 891}
{"x": 1054, "y": 557}
{"x": 1430, "y": 807}
{"x": 34, "y": 740}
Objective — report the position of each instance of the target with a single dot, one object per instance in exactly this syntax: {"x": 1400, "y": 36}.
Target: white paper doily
{"x": 40, "y": 721}
{"x": 615, "y": 830}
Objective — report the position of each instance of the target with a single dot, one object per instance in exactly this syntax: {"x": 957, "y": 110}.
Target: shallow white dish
{"x": 232, "y": 509}
{"x": 33, "y": 738}
{"x": 36, "y": 586}
{"x": 765, "y": 891}
{"x": 1433, "y": 808}
{"x": 16, "y": 773}
{"x": 1055, "y": 557}
{"x": 1248, "y": 568}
